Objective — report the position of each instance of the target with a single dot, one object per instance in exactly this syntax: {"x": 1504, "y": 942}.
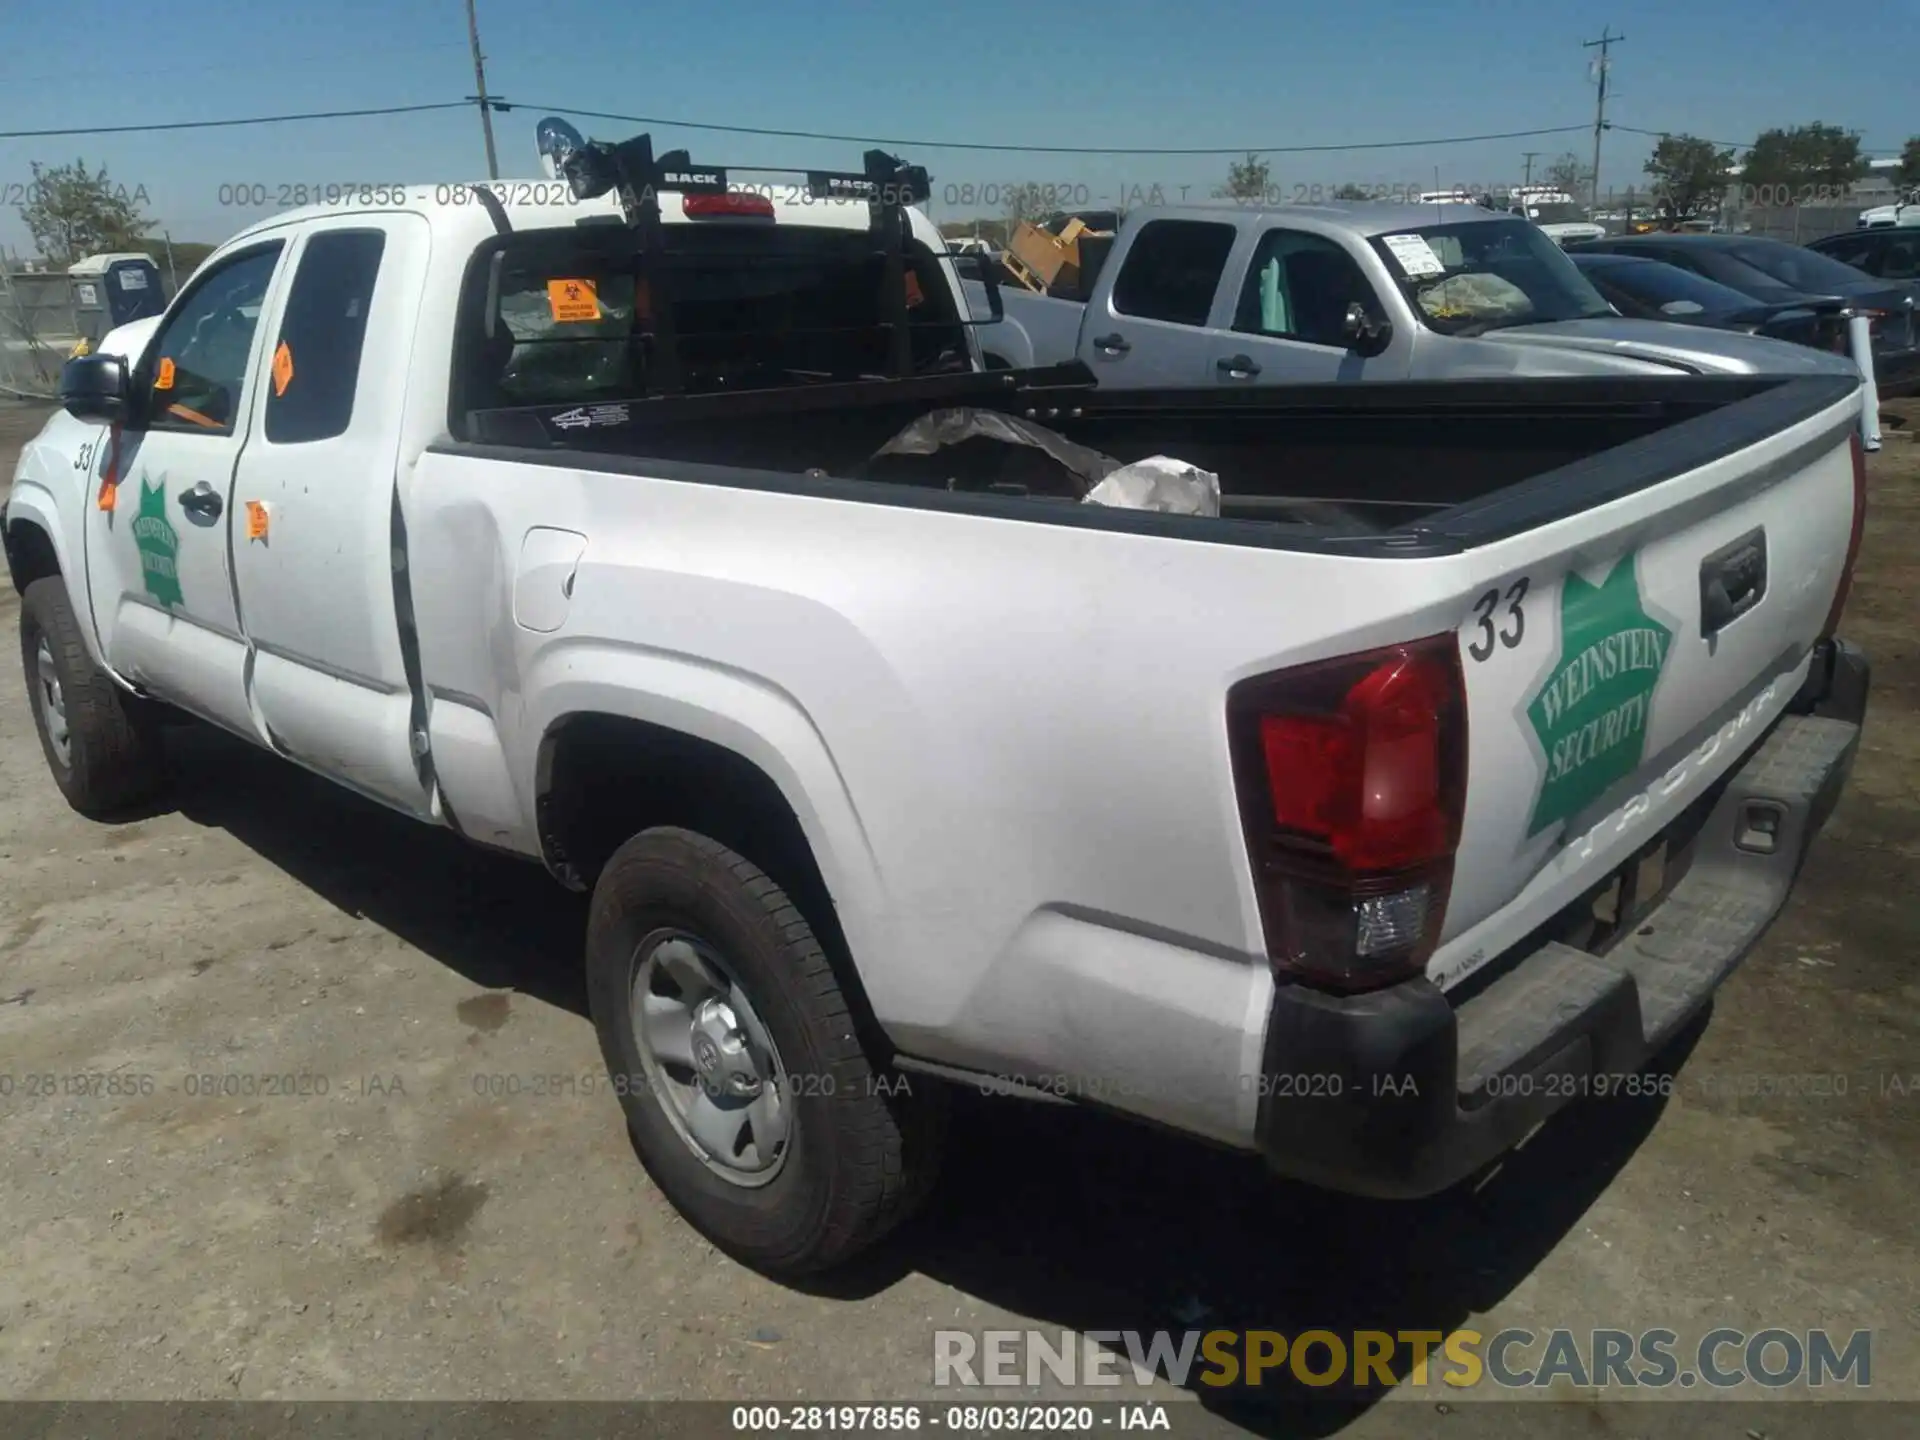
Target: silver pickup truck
{"x": 1242, "y": 295}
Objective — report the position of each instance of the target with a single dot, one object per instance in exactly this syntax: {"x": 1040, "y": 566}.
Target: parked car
{"x": 1649, "y": 289}
{"x": 1238, "y": 296}
{"x": 1774, "y": 272}
{"x": 887, "y": 769}
{"x": 1888, "y": 254}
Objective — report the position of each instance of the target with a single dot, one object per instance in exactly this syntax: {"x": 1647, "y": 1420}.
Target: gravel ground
{"x": 408, "y": 1235}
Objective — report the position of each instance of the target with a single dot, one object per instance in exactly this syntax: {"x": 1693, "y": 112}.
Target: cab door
{"x": 314, "y": 533}
{"x": 159, "y": 562}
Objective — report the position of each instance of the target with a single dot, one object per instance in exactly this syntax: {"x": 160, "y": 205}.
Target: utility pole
{"x": 1532, "y": 155}
{"x": 480, "y": 81}
{"x": 1604, "y": 43}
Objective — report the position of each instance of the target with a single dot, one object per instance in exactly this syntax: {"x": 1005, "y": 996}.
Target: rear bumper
{"x": 1403, "y": 1092}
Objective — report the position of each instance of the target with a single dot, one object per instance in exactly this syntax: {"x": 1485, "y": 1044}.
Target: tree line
{"x": 1689, "y": 176}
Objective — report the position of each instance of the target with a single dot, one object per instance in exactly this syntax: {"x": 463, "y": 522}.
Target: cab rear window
{"x": 577, "y": 319}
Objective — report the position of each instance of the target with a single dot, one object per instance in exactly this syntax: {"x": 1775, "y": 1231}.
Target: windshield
{"x": 1469, "y": 278}
{"x": 1670, "y": 289}
{"x": 1556, "y": 215}
{"x": 1798, "y": 268}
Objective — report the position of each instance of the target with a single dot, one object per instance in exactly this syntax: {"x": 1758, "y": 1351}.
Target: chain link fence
{"x": 1625, "y": 211}
{"x": 39, "y": 327}
{"x": 1797, "y": 224}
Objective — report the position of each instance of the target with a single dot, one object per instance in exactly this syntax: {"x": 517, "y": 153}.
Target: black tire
{"x": 864, "y": 1144}
{"x": 114, "y": 759}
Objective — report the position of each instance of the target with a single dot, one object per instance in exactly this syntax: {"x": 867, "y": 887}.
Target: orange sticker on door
{"x": 282, "y": 369}
{"x": 572, "y": 300}
{"x": 164, "y": 380}
{"x": 256, "y": 520}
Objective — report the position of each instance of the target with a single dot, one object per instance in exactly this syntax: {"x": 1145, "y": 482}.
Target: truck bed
{"x": 1417, "y": 466}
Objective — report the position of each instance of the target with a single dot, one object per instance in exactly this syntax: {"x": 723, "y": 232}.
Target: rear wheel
{"x": 750, "y": 1098}
{"x": 101, "y": 743}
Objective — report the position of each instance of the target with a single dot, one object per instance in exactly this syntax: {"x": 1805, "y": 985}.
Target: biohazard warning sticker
{"x": 573, "y": 300}
{"x": 1591, "y": 712}
{"x": 282, "y": 369}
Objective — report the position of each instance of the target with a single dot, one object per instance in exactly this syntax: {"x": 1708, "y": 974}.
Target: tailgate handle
{"x": 1732, "y": 581}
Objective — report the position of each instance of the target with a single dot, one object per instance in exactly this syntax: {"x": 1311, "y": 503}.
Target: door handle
{"x": 1114, "y": 344}
{"x": 1237, "y": 367}
{"x": 1732, "y": 581}
{"x": 201, "y": 502}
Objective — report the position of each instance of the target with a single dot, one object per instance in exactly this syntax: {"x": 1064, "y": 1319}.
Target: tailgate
{"x": 1621, "y": 660}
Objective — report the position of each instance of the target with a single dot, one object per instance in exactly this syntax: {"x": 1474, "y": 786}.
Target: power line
{"x": 1234, "y": 150}
{"x": 222, "y": 124}
{"x": 494, "y": 103}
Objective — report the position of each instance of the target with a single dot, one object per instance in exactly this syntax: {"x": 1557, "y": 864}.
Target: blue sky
{"x": 1203, "y": 73}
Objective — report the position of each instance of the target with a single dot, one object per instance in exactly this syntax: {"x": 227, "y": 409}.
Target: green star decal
{"x": 1591, "y": 714}
{"x": 158, "y": 544}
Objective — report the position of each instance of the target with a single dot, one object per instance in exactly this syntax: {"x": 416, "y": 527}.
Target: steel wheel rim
{"x": 51, "y": 698}
{"x": 709, "y": 1058}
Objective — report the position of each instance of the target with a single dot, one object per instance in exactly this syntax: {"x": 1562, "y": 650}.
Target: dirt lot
{"x": 407, "y": 1235}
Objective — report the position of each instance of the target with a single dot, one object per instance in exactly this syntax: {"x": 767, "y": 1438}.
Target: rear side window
{"x": 1172, "y": 271}
{"x": 315, "y": 364}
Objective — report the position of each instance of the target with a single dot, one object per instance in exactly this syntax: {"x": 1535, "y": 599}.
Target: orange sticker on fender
{"x": 572, "y": 300}
{"x": 256, "y": 520}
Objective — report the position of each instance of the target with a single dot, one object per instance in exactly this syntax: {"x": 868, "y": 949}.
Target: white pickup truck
{"x": 1435, "y": 780}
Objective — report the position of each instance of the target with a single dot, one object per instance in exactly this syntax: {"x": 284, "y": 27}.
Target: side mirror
{"x": 1366, "y": 334}
{"x": 97, "y": 388}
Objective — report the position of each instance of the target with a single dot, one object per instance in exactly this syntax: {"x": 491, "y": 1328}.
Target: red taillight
{"x": 1353, "y": 777}
{"x": 734, "y": 202}
{"x": 1853, "y": 540}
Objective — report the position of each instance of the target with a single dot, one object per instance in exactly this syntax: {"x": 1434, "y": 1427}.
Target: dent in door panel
{"x": 340, "y": 727}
